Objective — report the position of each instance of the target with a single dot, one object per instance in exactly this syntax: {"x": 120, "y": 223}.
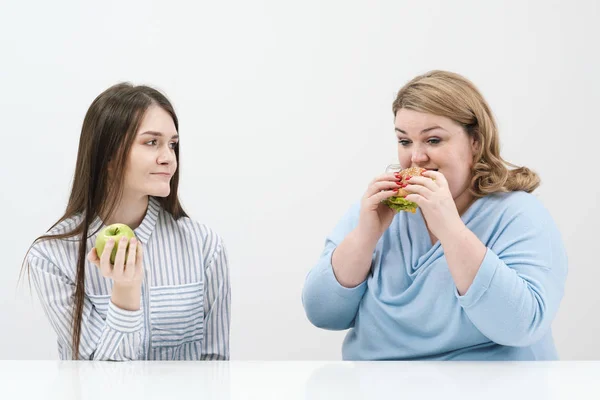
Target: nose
{"x": 166, "y": 156}
{"x": 418, "y": 156}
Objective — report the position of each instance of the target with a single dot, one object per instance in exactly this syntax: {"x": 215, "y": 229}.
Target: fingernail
{"x": 408, "y": 178}
{"x": 395, "y": 190}
{"x": 399, "y": 183}
{"x": 132, "y": 241}
{"x": 111, "y": 241}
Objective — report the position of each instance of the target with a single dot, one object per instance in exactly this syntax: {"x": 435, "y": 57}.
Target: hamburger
{"x": 398, "y": 202}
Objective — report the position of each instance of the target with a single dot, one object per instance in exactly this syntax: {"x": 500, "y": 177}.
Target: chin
{"x": 160, "y": 192}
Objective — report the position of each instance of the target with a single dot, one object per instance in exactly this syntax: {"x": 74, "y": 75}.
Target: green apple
{"x": 116, "y": 232}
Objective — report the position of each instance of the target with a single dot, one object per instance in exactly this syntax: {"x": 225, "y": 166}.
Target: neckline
{"x": 144, "y": 230}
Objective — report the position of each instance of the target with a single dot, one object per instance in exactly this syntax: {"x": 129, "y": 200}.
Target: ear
{"x": 475, "y": 145}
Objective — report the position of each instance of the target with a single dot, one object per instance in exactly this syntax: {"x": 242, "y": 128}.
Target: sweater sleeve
{"x": 520, "y": 283}
{"x": 326, "y": 302}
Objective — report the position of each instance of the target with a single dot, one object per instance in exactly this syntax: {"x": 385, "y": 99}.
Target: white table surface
{"x": 299, "y": 380}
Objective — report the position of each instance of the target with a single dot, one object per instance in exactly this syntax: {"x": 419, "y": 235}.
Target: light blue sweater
{"x": 409, "y": 308}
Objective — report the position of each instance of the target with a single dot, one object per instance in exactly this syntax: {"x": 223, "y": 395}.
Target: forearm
{"x": 464, "y": 253}
{"x": 511, "y": 309}
{"x": 352, "y": 258}
{"x": 335, "y": 286}
{"x": 116, "y": 338}
{"x": 217, "y": 307}
{"x": 126, "y": 297}
{"x": 121, "y": 337}
{"x": 215, "y": 345}
{"x": 510, "y": 284}
{"x": 327, "y": 303}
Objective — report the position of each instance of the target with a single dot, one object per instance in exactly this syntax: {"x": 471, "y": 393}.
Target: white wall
{"x": 288, "y": 104}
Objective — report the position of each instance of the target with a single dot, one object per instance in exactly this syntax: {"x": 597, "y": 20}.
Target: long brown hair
{"x": 453, "y": 96}
{"x": 109, "y": 129}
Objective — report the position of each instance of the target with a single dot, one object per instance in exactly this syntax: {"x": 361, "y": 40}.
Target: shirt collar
{"x": 142, "y": 232}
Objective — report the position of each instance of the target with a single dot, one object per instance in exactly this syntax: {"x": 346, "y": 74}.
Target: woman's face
{"x": 152, "y": 161}
{"x": 435, "y": 142}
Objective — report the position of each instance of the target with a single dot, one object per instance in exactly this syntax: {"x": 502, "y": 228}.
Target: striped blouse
{"x": 185, "y": 303}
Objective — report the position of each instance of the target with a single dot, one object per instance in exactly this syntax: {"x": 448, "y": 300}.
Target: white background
{"x": 285, "y": 111}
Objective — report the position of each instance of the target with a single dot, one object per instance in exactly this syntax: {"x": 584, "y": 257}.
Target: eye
{"x": 152, "y": 142}
{"x": 434, "y": 141}
{"x": 403, "y": 142}
{"x": 173, "y": 145}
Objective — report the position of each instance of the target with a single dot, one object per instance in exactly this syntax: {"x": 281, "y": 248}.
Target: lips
{"x": 430, "y": 169}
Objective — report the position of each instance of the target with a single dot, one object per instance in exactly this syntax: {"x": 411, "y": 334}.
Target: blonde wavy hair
{"x": 453, "y": 96}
